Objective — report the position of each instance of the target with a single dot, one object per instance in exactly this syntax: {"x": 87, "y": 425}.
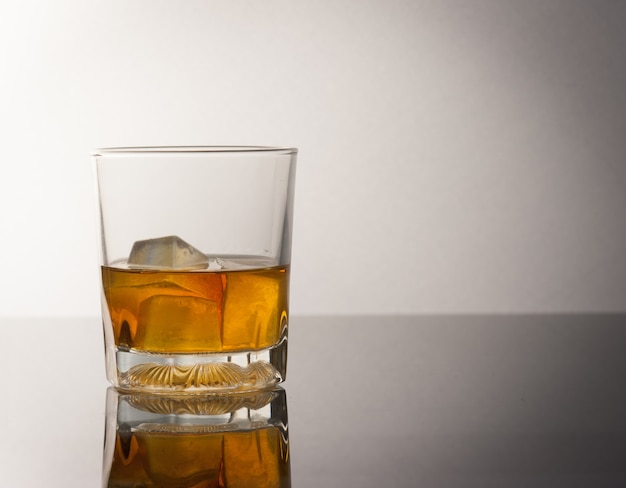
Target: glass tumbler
{"x": 195, "y": 249}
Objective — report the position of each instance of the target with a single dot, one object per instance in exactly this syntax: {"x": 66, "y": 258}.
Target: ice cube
{"x": 169, "y": 252}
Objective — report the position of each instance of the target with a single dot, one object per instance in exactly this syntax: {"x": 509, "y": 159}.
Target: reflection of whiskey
{"x": 233, "y": 440}
{"x": 197, "y": 311}
{"x": 255, "y": 458}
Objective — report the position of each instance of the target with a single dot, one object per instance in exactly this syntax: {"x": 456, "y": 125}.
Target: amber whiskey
{"x": 183, "y": 312}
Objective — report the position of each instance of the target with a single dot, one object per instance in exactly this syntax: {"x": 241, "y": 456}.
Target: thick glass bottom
{"x": 200, "y": 373}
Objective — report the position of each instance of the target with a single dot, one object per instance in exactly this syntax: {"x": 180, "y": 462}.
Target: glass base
{"x": 200, "y": 373}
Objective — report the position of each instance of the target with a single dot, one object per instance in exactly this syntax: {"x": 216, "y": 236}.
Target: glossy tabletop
{"x": 419, "y": 401}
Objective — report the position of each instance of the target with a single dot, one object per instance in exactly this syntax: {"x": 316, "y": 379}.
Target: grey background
{"x": 455, "y": 156}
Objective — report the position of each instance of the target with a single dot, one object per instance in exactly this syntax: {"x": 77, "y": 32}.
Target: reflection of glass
{"x": 236, "y": 440}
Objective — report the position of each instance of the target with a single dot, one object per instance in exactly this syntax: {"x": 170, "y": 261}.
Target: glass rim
{"x": 169, "y": 150}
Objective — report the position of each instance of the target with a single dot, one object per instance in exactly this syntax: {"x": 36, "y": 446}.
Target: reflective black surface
{"x": 495, "y": 401}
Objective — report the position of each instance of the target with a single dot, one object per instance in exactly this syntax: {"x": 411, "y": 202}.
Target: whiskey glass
{"x": 195, "y": 252}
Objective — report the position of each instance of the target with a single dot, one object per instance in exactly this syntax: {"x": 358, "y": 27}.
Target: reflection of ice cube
{"x": 169, "y": 252}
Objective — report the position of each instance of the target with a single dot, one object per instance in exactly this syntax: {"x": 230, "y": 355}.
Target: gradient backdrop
{"x": 455, "y": 156}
